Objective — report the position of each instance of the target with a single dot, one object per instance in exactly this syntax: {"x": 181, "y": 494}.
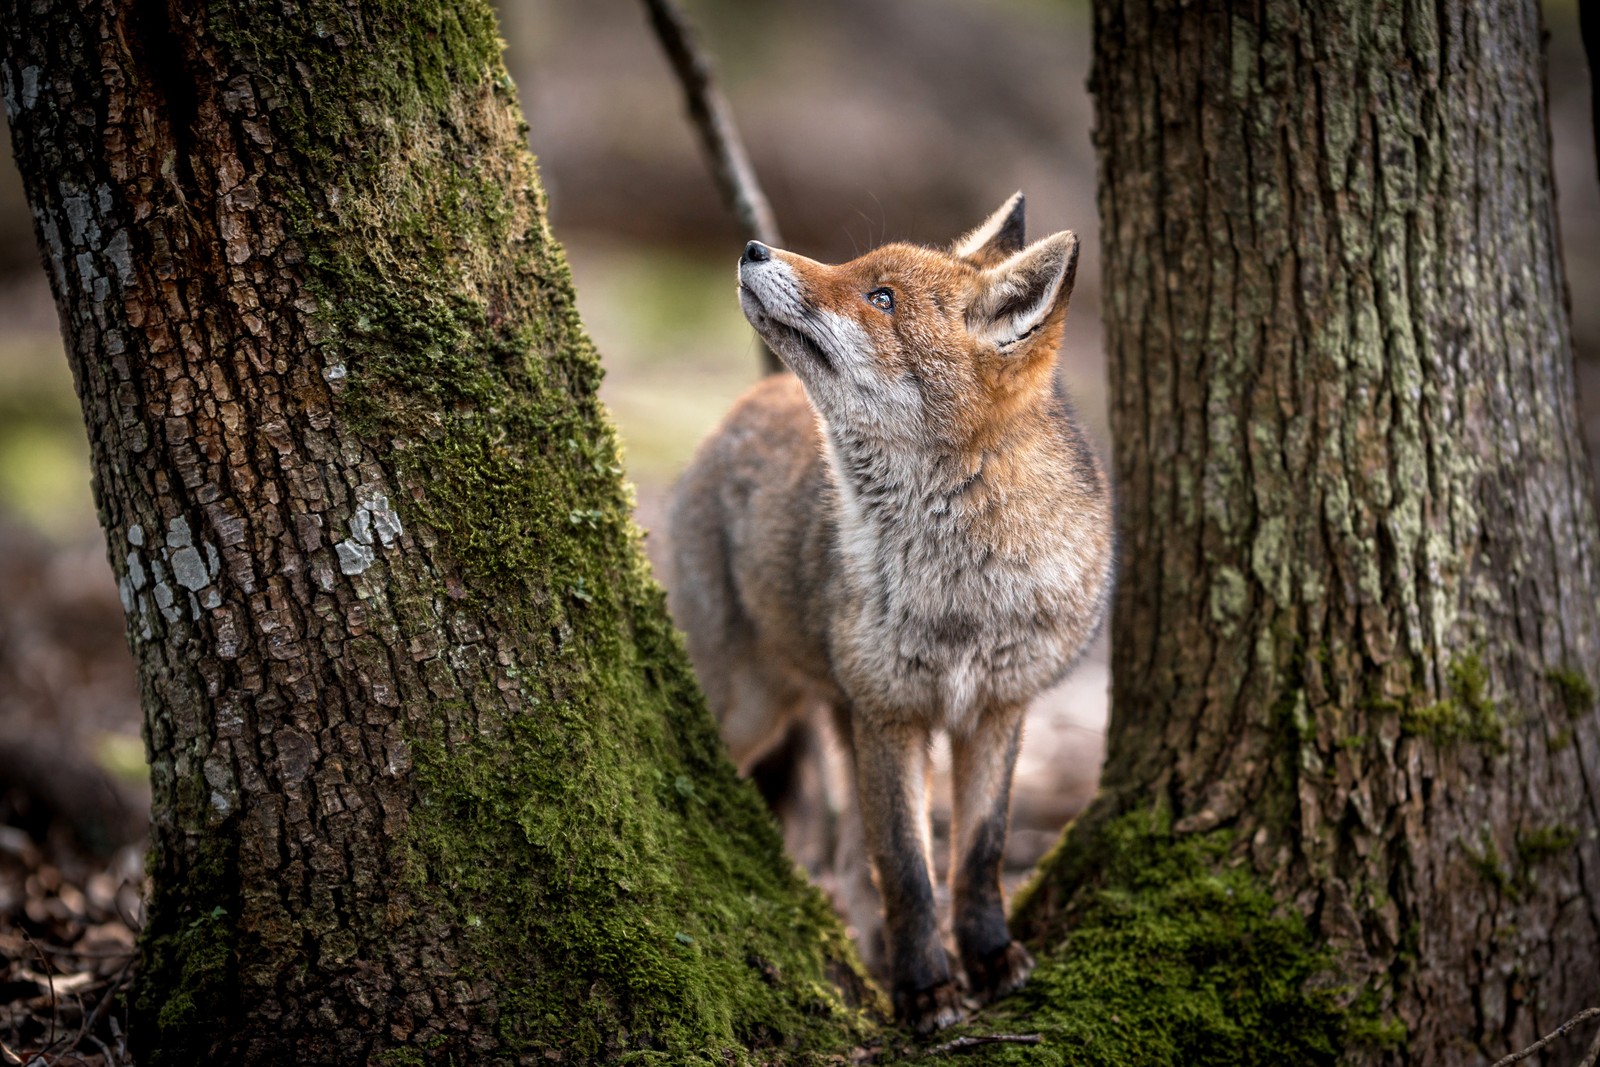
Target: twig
{"x": 104, "y": 1052}
{"x": 719, "y": 137}
{"x": 1582, "y": 1016}
{"x": 962, "y": 1044}
{"x": 93, "y": 1018}
{"x": 713, "y": 119}
{"x": 88, "y": 954}
{"x": 55, "y": 1004}
{"x": 1593, "y": 1053}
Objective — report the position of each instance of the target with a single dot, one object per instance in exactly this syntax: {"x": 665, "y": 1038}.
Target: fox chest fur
{"x": 960, "y": 579}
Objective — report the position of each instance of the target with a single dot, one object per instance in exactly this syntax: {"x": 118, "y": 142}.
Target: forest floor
{"x": 68, "y": 919}
{"x": 71, "y": 805}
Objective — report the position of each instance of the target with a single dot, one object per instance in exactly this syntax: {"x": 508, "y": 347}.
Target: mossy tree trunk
{"x": 431, "y": 778}
{"x": 1356, "y": 634}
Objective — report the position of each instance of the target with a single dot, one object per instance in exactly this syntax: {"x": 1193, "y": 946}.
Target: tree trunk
{"x": 431, "y": 778}
{"x": 1356, "y": 636}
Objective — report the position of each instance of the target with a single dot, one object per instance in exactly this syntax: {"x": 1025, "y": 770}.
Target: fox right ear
{"x": 1021, "y": 294}
{"x": 1000, "y": 236}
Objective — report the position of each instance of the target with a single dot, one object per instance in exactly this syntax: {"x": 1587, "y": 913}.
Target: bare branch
{"x": 713, "y": 120}
{"x": 963, "y": 1044}
{"x": 719, "y": 137}
{"x": 1585, "y": 1014}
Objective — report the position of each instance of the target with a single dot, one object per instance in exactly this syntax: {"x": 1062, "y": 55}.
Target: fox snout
{"x": 776, "y": 299}
{"x": 767, "y": 276}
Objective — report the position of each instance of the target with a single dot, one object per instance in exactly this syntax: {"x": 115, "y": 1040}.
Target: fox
{"x": 909, "y": 531}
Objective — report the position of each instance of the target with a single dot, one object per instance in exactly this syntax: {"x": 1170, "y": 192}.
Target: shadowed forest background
{"x": 913, "y": 129}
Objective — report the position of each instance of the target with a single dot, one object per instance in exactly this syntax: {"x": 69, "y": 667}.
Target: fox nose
{"x": 755, "y": 252}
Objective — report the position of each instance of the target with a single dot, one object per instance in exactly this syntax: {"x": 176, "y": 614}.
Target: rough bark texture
{"x": 1357, "y": 629}
{"x": 431, "y": 778}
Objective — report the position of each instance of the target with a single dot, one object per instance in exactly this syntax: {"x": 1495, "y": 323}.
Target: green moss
{"x": 1486, "y": 861}
{"x": 187, "y": 964}
{"x": 201, "y": 953}
{"x": 1574, "y": 690}
{"x": 1541, "y": 844}
{"x": 1368, "y": 1027}
{"x": 1171, "y": 952}
{"x": 622, "y": 887}
{"x": 1535, "y": 847}
{"x": 1467, "y": 713}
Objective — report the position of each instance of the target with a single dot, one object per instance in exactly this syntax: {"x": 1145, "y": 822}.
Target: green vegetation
{"x": 187, "y": 960}
{"x": 1535, "y": 847}
{"x": 1575, "y": 691}
{"x": 1466, "y": 714}
{"x": 1172, "y": 952}
{"x": 1487, "y": 862}
{"x": 1542, "y": 844}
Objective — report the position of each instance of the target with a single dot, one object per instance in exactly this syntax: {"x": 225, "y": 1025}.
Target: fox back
{"x": 911, "y": 531}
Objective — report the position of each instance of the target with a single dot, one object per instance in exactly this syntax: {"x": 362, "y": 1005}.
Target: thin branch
{"x": 719, "y": 137}
{"x": 1582, "y": 1016}
{"x": 90, "y": 1020}
{"x": 963, "y": 1044}
{"x": 1593, "y": 1053}
{"x": 713, "y": 119}
{"x": 49, "y": 977}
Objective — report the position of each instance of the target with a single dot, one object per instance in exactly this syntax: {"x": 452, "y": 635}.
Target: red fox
{"x": 912, "y": 530}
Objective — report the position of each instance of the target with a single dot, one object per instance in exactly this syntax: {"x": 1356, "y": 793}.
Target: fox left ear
{"x": 1020, "y": 294}
{"x": 999, "y": 236}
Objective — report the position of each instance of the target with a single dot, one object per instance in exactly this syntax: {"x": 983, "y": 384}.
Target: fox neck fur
{"x": 965, "y": 575}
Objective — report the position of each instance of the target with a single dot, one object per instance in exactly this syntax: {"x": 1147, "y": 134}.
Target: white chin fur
{"x": 772, "y": 299}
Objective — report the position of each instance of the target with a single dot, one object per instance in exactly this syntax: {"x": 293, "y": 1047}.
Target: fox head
{"x": 913, "y": 342}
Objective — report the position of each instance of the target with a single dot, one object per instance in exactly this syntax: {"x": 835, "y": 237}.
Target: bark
{"x": 1357, "y": 633}
{"x": 431, "y": 778}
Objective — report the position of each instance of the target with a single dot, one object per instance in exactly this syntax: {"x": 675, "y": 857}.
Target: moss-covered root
{"x": 1171, "y": 954}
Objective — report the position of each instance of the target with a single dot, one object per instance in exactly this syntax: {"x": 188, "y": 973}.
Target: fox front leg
{"x": 981, "y": 769}
{"x": 891, "y": 764}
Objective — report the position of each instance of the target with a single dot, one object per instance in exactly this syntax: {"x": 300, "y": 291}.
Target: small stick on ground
{"x": 719, "y": 137}
{"x": 962, "y": 1044}
{"x": 1582, "y": 1016}
{"x": 91, "y": 1019}
{"x": 49, "y": 976}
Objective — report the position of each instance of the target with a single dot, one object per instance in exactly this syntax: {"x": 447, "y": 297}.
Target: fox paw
{"x": 999, "y": 973}
{"x": 927, "y": 1010}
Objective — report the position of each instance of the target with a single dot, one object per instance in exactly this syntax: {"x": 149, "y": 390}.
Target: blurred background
{"x": 903, "y": 119}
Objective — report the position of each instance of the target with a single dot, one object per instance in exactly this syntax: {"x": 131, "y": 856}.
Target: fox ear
{"x": 1019, "y": 295}
{"x": 998, "y": 237}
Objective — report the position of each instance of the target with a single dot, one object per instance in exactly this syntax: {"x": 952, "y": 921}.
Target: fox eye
{"x": 882, "y": 299}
